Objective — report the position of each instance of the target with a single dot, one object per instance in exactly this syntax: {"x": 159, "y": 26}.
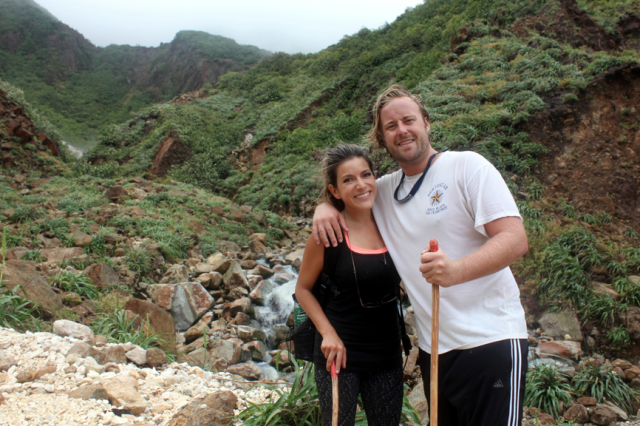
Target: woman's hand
{"x": 333, "y": 349}
{"x": 328, "y": 224}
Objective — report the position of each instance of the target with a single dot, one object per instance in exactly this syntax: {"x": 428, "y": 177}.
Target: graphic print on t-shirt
{"x": 437, "y": 199}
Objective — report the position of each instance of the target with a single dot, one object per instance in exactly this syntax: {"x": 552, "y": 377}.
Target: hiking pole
{"x": 334, "y": 391}
{"x": 435, "y": 329}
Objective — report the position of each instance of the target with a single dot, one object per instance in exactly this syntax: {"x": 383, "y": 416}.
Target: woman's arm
{"x": 311, "y": 268}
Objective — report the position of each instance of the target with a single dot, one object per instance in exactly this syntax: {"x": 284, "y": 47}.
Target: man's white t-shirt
{"x": 460, "y": 194}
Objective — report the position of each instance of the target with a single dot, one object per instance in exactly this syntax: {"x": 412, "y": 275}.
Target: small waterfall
{"x": 279, "y": 304}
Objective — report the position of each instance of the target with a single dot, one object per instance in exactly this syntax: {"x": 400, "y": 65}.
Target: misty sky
{"x": 290, "y": 26}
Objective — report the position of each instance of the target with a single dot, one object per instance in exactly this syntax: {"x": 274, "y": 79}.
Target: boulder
{"x": 220, "y": 262}
{"x": 619, "y": 412}
{"x": 632, "y": 319}
{"x": 577, "y": 413}
{"x": 15, "y": 253}
{"x": 257, "y": 349}
{"x": 122, "y": 394}
{"x": 248, "y": 334}
{"x": 283, "y": 278}
{"x": 281, "y": 360}
{"x": 419, "y": 402}
{"x": 80, "y": 239}
{"x": 32, "y": 285}
{"x": 248, "y": 370}
{"x": 296, "y": 254}
{"x": 60, "y": 254}
{"x": 94, "y": 391}
{"x": 234, "y": 277}
{"x": 563, "y": 348}
{"x": 81, "y": 350}
{"x": 230, "y": 351}
{"x": 605, "y": 290}
{"x": 111, "y": 354}
{"x": 199, "y": 297}
{"x": 258, "y": 243}
{"x": 137, "y": 355}
{"x": 559, "y": 324}
{"x": 196, "y": 332}
{"x": 73, "y": 329}
{"x": 198, "y": 358}
{"x": 231, "y": 309}
{"x": 175, "y": 274}
{"x": 227, "y": 246}
{"x": 156, "y": 357}
{"x": 159, "y": 321}
{"x": 603, "y": 416}
{"x": 161, "y": 294}
{"x": 6, "y": 362}
{"x": 263, "y": 271}
{"x": 115, "y": 193}
{"x": 215, "y": 409}
{"x": 204, "y": 268}
{"x": 103, "y": 275}
{"x": 279, "y": 333}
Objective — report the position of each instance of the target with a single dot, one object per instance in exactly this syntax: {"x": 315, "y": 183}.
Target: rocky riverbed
{"x": 44, "y": 385}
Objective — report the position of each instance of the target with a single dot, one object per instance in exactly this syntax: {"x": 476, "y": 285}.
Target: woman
{"x": 359, "y": 328}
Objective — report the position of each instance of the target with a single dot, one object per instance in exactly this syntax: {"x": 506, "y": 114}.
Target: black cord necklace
{"x": 416, "y": 186}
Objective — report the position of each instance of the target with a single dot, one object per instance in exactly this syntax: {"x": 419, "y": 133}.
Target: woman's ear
{"x": 334, "y": 191}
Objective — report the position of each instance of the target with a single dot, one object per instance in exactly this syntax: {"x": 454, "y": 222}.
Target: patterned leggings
{"x": 381, "y": 392}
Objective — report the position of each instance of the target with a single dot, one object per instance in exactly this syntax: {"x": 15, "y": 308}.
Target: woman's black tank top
{"x": 371, "y": 336}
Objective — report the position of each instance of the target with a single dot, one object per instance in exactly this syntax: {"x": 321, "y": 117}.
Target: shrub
{"x": 118, "y": 327}
{"x": 33, "y": 255}
{"x": 603, "y": 383}
{"x": 138, "y": 260}
{"x": 297, "y": 405}
{"x": 546, "y": 388}
{"x": 15, "y": 310}
{"x": 26, "y": 214}
{"x": 77, "y": 283}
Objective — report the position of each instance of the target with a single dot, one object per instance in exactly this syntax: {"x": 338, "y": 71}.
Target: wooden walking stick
{"x": 334, "y": 391}
{"x": 435, "y": 326}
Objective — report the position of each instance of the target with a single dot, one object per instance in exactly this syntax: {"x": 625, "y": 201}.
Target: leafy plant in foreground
{"x": 619, "y": 337}
{"x": 15, "y": 311}
{"x": 118, "y": 327}
{"x": 603, "y": 383}
{"x": 77, "y": 283}
{"x": 33, "y": 255}
{"x": 297, "y": 405}
{"x": 546, "y": 388}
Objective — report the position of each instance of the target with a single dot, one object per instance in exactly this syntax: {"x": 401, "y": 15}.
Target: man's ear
{"x": 334, "y": 191}
{"x": 427, "y": 124}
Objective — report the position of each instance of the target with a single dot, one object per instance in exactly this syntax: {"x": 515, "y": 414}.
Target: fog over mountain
{"x": 282, "y": 25}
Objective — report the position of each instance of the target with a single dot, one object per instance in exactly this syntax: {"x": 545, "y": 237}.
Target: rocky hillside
{"x": 82, "y": 87}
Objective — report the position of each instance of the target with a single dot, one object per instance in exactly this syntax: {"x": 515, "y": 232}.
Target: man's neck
{"x": 419, "y": 165}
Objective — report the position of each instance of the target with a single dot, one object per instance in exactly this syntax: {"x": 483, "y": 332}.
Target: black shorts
{"x": 482, "y": 386}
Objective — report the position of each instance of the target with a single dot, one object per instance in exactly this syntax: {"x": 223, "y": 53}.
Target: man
{"x": 460, "y": 199}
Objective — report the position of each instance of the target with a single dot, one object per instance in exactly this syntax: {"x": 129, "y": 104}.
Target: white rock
{"x": 137, "y": 355}
{"x": 73, "y": 329}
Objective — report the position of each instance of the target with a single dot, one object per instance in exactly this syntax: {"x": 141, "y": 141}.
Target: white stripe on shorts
{"x": 516, "y": 367}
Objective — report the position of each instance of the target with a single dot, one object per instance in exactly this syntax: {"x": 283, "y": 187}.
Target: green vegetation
{"x": 77, "y": 283}
{"x": 547, "y": 388}
{"x": 298, "y": 404}
{"x": 118, "y": 327}
{"x": 603, "y": 383}
{"x": 81, "y": 87}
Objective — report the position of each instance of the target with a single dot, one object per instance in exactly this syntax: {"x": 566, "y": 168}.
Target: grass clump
{"x": 119, "y": 327}
{"x": 15, "y": 311}
{"x": 77, "y": 283}
{"x": 546, "y": 388}
{"x": 603, "y": 383}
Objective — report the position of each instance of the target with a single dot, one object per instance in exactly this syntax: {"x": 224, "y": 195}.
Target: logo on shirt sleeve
{"x": 437, "y": 197}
